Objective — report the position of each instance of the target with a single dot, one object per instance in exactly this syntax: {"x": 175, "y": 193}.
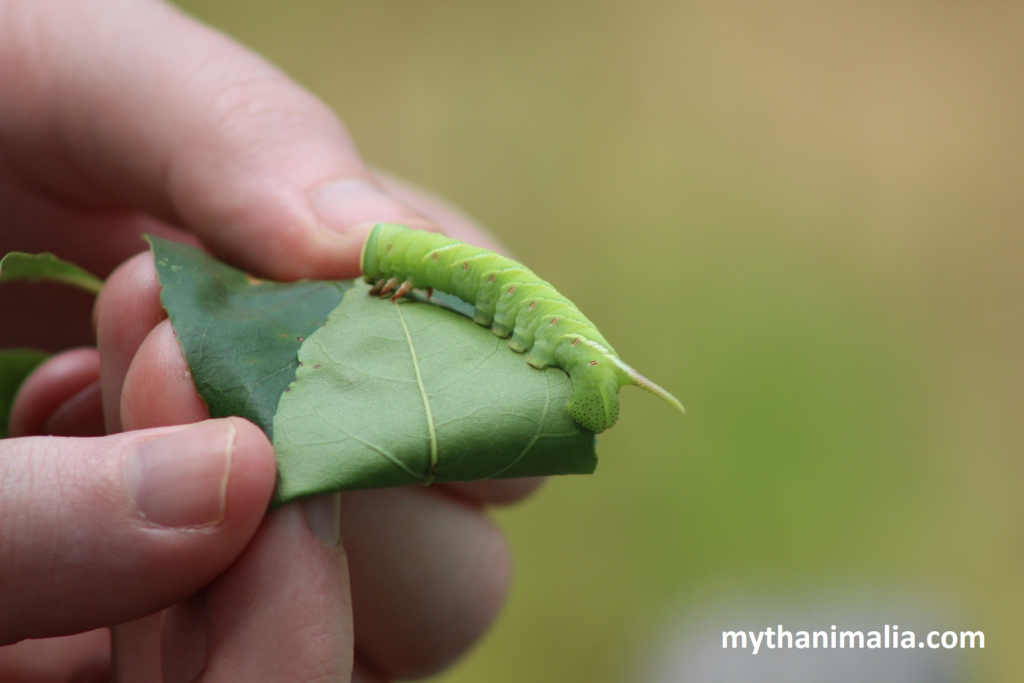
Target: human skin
{"x": 121, "y": 117}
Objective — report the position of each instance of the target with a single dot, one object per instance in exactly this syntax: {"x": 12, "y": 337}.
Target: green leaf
{"x": 15, "y": 366}
{"x": 382, "y": 392}
{"x": 385, "y": 391}
{"x": 239, "y": 335}
{"x": 19, "y": 266}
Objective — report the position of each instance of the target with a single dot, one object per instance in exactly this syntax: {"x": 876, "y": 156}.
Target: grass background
{"x": 802, "y": 218}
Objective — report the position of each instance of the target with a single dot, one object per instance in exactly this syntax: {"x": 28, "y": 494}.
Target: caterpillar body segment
{"x": 510, "y": 299}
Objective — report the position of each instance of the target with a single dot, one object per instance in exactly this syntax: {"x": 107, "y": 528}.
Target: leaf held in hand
{"x": 389, "y": 394}
{"x": 239, "y": 335}
{"x": 359, "y": 392}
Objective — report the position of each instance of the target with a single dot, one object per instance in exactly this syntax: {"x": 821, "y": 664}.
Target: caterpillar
{"x": 511, "y": 300}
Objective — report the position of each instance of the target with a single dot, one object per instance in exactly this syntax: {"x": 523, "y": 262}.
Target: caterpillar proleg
{"x": 512, "y": 301}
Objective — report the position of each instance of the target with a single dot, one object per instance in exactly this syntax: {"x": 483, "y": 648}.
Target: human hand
{"x": 123, "y": 117}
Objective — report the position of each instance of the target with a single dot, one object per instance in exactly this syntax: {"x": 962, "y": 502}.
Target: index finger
{"x": 131, "y": 104}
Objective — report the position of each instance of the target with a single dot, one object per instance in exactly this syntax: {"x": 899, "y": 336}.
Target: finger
{"x": 79, "y": 658}
{"x": 158, "y": 389}
{"x": 81, "y": 415}
{"x": 429, "y": 574}
{"x": 226, "y": 145}
{"x": 281, "y": 613}
{"x": 58, "y": 380}
{"x": 126, "y": 312}
{"x": 136, "y": 650}
{"x": 494, "y": 491}
{"x": 362, "y": 673}
{"x": 101, "y": 531}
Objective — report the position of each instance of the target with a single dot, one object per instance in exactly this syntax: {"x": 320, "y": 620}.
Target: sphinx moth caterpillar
{"x": 512, "y": 300}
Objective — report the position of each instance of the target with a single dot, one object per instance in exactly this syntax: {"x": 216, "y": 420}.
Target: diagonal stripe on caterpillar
{"x": 511, "y": 300}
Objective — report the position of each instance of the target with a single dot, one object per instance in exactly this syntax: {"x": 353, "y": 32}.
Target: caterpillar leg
{"x": 500, "y": 330}
{"x": 504, "y": 323}
{"x": 518, "y": 343}
{"x": 404, "y": 289}
{"x": 482, "y": 317}
{"x": 540, "y": 357}
{"x": 376, "y": 288}
{"x": 522, "y": 334}
{"x": 388, "y": 286}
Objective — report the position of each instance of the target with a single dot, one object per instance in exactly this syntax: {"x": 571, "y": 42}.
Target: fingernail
{"x": 323, "y": 515}
{"x": 180, "y": 480}
{"x": 346, "y": 205}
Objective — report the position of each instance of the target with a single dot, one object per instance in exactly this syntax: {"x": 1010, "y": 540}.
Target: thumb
{"x": 100, "y": 531}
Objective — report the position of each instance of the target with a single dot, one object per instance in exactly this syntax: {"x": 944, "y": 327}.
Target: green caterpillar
{"x": 511, "y": 299}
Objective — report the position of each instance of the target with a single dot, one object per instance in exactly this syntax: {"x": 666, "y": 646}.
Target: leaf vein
{"x": 426, "y": 400}
{"x": 536, "y": 435}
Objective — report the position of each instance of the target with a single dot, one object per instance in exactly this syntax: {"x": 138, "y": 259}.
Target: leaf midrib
{"x": 431, "y": 431}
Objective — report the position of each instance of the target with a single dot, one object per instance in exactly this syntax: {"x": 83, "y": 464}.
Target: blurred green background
{"x": 802, "y": 218}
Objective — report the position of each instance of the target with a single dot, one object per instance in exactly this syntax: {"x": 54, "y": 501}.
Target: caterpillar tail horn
{"x": 639, "y": 380}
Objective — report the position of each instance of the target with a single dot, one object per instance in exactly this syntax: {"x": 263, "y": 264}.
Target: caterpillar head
{"x": 369, "y": 258}
{"x": 595, "y": 403}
